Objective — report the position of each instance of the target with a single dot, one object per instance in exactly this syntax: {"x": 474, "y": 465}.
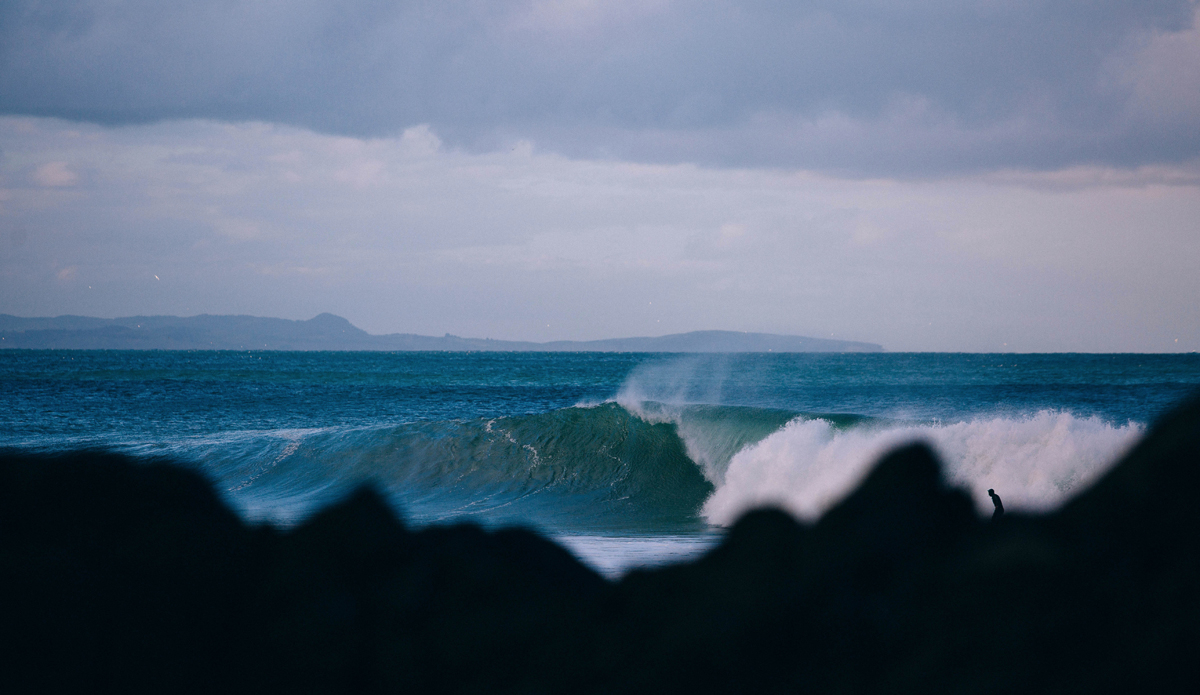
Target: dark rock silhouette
{"x": 133, "y": 577}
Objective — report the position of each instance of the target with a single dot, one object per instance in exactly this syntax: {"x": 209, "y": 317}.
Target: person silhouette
{"x": 999, "y": 505}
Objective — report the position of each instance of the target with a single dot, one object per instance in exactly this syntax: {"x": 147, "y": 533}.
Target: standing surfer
{"x": 999, "y": 505}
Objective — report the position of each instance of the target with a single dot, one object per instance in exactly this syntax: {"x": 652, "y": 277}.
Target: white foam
{"x": 613, "y": 556}
{"x": 1034, "y": 462}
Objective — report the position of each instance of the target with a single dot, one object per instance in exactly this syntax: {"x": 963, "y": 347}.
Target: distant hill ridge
{"x": 330, "y": 332}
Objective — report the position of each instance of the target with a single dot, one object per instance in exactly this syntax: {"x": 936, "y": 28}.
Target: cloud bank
{"x": 854, "y": 87}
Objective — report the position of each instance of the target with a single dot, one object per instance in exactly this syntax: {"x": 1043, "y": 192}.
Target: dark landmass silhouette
{"x": 134, "y": 577}
{"x": 329, "y": 332}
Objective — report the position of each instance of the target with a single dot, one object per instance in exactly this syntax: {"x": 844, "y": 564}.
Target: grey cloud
{"x": 861, "y": 87}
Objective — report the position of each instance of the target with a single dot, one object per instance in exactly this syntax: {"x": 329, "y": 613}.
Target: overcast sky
{"x": 939, "y": 175}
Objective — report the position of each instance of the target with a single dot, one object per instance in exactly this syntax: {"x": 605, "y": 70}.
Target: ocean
{"x": 627, "y": 459}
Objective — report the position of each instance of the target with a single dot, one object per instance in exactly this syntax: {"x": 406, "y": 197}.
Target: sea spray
{"x": 1034, "y": 462}
{"x": 687, "y": 379}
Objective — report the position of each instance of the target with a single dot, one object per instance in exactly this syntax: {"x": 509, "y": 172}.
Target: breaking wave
{"x": 644, "y": 466}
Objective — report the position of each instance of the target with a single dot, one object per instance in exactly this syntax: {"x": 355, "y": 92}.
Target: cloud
{"x": 860, "y": 87}
{"x": 55, "y": 175}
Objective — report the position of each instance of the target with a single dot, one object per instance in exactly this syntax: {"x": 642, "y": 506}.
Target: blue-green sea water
{"x": 628, "y": 459}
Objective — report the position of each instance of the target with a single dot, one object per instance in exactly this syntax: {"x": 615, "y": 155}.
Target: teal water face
{"x": 591, "y": 446}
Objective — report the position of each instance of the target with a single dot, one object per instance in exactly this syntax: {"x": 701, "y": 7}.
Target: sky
{"x": 1017, "y": 175}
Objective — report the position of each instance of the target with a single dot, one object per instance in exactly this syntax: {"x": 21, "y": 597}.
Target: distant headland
{"x": 330, "y": 332}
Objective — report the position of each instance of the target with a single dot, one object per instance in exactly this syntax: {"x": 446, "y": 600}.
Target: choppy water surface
{"x": 629, "y": 459}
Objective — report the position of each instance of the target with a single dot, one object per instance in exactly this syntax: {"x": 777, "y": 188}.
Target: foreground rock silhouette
{"x": 130, "y": 577}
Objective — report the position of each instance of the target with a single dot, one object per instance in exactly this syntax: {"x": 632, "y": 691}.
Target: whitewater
{"x": 629, "y": 459}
